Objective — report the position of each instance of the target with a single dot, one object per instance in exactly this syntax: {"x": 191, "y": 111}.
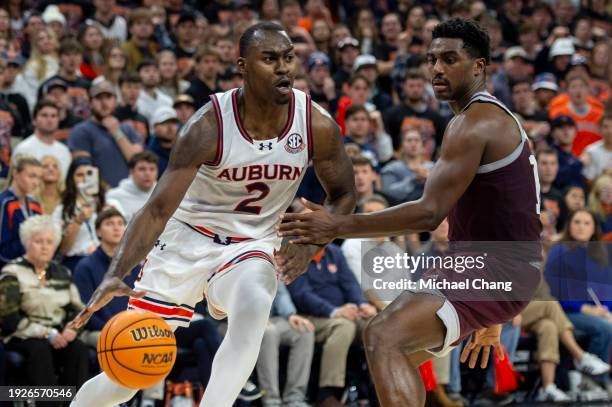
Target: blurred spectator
{"x": 150, "y": 97}
{"x": 534, "y": 122}
{"x": 42, "y": 65}
{"x": 290, "y": 14}
{"x": 529, "y": 40}
{"x": 109, "y": 143}
{"x": 365, "y": 65}
{"x": 13, "y": 85}
{"x": 366, "y": 31}
{"x": 170, "y": 83}
{"x": 93, "y": 59}
{"x": 365, "y": 177}
{"x": 390, "y": 30}
{"x": 570, "y": 167}
{"x": 357, "y": 131}
{"x": 90, "y": 271}
{"x": 226, "y": 47}
{"x": 54, "y": 19}
{"x": 404, "y": 179}
{"x": 83, "y": 198}
{"x": 115, "y": 67}
{"x": 56, "y": 91}
{"x": 285, "y": 328}
{"x": 231, "y": 78}
{"x": 515, "y": 66}
{"x": 130, "y": 86}
{"x": 322, "y": 86}
{"x": 573, "y": 199}
{"x": 600, "y": 201}
{"x": 32, "y": 24}
{"x": 112, "y": 25}
{"x": 557, "y": 53}
{"x": 6, "y": 32}
{"x": 37, "y": 300}
{"x": 269, "y": 10}
{"x": 321, "y": 35}
{"x": 414, "y": 112}
{"x": 600, "y": 61}
{"x": 184, "y": 107}
{"x": 186, "y": 44}
{"x": 42, "y": 142}
{"x": 204, "y": 83}
{"x": 577, "y": 263}
{"x": 597, "y": 158}
{"x": 358, "y": 92}
{"x": 165, "y": 128}
{"x": 134, "y": 191}
{"x": 52, "y": 185}
{"x": 330, "y": 297}
{"x": 584, "y": 109}
{"x": 140, "y": 46}
{"x": 348, "y": 49}
{"x": 551, "y": 200}
{"x": 545, "y": 88}
{"x": 70, "y": 58}
{"x": 17, "y": 205}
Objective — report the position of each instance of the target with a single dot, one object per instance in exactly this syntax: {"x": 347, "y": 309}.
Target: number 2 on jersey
{"x": 244, "y": 206}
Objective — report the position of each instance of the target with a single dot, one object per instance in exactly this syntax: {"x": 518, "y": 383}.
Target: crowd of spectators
{"x": 94, "y": 93}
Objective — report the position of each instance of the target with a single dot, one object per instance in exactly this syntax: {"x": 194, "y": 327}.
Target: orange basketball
{"x": 136, "y": 349}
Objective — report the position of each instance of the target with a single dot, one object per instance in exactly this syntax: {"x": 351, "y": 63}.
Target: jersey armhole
{"x": 217, "y": 160}
{"x": 309, "y": 127}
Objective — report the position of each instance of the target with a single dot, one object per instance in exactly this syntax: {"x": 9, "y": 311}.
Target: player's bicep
{"x": 196, "y": 144}
{"x": 454, "y": 171}
{"x": 331, "y": 163}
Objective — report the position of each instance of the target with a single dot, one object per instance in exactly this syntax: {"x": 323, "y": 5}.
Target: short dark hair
{"x": 129, "y": 77}
{"x": 146, "y": 156}
{"x": 41, "y": 105}
{"x": 248, "y": 37}
{"x": 359, "y": 77}
{"x": 353, "y": 110}
{"x": 544, "y": 151}
{"x": 70, "y": 44}
{"x": 146, "y": 62}
{"x": 205, "y": 52}
{"x": 518, "y": 81}
{"x": 415, "y": 73}
{"x": 376, "y": 198}
{"x": 361, "y": 161}
{"x": 475, "y": 39}
{"x": 107, "y": 214}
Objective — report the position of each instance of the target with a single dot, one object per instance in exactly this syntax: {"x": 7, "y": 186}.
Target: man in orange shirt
{"x": 585, "y": 109}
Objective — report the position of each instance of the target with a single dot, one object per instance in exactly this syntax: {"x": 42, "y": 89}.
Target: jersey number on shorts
{"x": 244, "y": 206}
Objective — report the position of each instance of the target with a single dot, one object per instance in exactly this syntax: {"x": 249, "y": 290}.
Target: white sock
{"x": 246, "y": 294}
{"x": 100, "y": 391}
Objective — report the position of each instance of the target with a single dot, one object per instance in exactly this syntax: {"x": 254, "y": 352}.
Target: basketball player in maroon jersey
{"x": 485, "y": 183}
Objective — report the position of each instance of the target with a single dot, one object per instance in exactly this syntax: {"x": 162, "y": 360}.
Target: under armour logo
{"x": 222, "y": 240}
{"x": 159, "y": 244}
{"x": 265, "y": 146}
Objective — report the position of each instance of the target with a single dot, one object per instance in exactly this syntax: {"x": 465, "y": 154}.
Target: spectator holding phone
{"x": 83, "y": 198}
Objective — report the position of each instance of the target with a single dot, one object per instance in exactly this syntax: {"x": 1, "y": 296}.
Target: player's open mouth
{"x": 283, "y": 86}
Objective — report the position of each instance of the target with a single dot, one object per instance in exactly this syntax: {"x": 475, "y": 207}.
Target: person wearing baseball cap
{"x": 322, "y": 86}
{"x": 165, "y": 129}
{"x": 560, "y": 55}
{"x": 366, "y": 65}
{"x": 56, "y": 91}
{"x": 563, "y": 132}
{"x": 109, "y": 143}
{"x": 349, "y": 51}
{"x": 184, "y": 107}
{"x": 545, "y": 88}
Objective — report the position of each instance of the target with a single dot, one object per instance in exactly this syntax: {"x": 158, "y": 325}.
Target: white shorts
{"x": 183, "y": 264}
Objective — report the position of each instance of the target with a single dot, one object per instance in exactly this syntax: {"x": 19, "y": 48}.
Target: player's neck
{"x": 458, "y": 105}
{"x": 260, "y": 110}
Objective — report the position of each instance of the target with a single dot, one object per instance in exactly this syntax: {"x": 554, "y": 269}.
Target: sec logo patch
{"x": 294, "y": 143}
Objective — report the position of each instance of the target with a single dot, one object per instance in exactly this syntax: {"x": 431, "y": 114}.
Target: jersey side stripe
{"x": 217, "y": 160}
{"x": 309, "y": 128}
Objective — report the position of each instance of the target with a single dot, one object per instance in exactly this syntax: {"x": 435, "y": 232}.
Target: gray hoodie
{"x": 129, "y": 196}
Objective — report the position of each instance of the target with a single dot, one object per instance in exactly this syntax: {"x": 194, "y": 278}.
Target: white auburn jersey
{"x": 251, "y": 183}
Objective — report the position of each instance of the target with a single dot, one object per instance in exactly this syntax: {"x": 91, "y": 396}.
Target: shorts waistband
{"x": 217, "y": 238}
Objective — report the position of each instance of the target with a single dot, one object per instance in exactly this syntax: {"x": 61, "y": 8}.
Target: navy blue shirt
{"x": 326, "y": 285}
{"x": 93, "y": 138}
{"x": 570, "y": 170}
{"x": 88, "y": 275}
{"x": 163, "y": 154}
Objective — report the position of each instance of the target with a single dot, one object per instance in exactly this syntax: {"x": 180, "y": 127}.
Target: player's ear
{"x": 241, "y": 62}
{"x": 480, "y": 66}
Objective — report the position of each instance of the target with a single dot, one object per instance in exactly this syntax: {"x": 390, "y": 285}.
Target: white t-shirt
{"x": 147, "y": 105}
{"x": 35, "y": 147}
{"x": 601, "y": 160}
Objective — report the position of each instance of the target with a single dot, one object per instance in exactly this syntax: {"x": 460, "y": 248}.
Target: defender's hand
{"x": 483, "y": 339}
{"x": 292, "y": 260}
{"x": 109, "y": 288}
{"x": 316, "y": 227}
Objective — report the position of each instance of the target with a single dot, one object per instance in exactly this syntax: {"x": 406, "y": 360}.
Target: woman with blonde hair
{"x": 42, "y": 65}
{"x": 600, "y": 201}
{"x": 171, "y": 83}
{"x": 50, "y": 190}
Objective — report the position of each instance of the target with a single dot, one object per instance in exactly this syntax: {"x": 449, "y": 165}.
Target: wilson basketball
{"x": 136, "y": 349}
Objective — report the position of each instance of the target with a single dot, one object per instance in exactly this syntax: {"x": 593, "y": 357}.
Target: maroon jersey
{"x": 502, "y": 201}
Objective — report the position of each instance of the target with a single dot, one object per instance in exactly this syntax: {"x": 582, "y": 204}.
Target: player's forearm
{"x": 343, "y": 204}
{"x": 411, "y": 217}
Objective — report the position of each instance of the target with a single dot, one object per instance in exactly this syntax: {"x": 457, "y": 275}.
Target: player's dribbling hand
{"x": 292, "y": 260}
{"x": 109, "y": 288}
{"x": 483, "y": 339}
{"x": 316, "y": 227}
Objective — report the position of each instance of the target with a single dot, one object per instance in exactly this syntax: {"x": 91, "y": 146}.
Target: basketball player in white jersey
{"x": 208, "y": 227}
